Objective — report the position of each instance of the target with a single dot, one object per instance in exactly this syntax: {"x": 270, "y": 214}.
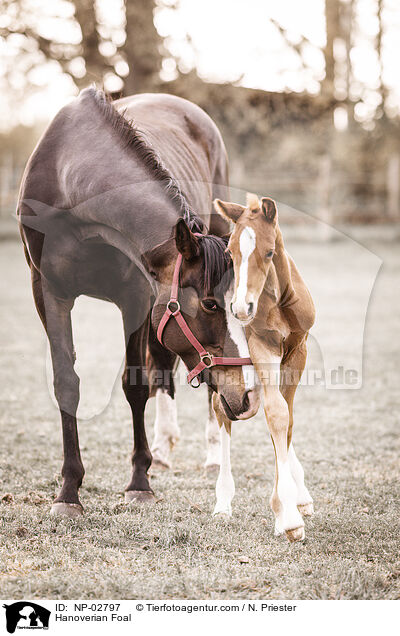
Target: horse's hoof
{"x": 225, "y": 517}
{"x": 211, "y": 468}
{"x": 297, "y": 534}
{"x": 141, "y": 496}
{"x": 70, "y": 510}
{"x": 306, "y": 509}
{"x": 159, "y": 464}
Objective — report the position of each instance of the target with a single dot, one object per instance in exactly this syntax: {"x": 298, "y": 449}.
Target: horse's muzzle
{"x": 252, "y": 401}
{"x": 249, "y": 406}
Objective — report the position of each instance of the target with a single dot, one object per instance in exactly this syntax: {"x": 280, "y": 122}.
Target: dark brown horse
{"x": 101, "y": 214}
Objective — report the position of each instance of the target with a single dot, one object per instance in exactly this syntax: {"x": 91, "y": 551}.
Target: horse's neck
{"x": 279, "y": 284}
{"x": 104, "y": 183}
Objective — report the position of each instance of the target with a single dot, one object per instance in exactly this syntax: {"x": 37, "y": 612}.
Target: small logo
{"x": 26, "y": 615}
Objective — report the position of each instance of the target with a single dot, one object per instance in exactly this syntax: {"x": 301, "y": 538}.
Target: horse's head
{"x": 252, "y": 247}
{"x": 205, "y": 287}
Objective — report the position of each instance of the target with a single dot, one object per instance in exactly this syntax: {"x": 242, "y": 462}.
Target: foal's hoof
{"x": 306, "y": 509}
{"x": 141, "y": 496}
{"x": 70, "y": 510}
{"x": 297, "y": 534}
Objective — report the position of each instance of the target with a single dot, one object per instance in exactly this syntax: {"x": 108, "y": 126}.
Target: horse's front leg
{"x": 56, "y": 317}
{"x": 136, "y": 389}
{"x": 284, "y": 495}
{"x": 225, "y": 487}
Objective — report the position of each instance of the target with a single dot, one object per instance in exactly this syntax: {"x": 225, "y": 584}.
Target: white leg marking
{"x": 212, "y": 441}
{"x": 284, "y": 495}
{"x": 238, "y": 335}
{"x": 166, "y": 429}
{"x": 303, "y": 496}
{"x": 225, "y": 487}
{"x": 290, "y": 517}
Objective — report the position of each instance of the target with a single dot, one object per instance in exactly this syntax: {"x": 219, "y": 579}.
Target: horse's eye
{"x": 209, "y": 304}
{"x": 269, "y": 254}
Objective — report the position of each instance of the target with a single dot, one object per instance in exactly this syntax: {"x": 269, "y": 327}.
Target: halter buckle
{"x": 207, "y": 359}
{"x": 195, "y": 379}
{"x": 177, "y": 305}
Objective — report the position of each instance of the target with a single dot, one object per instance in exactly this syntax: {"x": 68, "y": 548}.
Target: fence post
{"x": 323, "y": 197}
{"x": 6, "y": 175}
{"x": 392, "y": 186}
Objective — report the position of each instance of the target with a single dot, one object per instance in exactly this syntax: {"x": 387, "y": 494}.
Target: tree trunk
{"x": 332, "y": 31}
{"x": 96, "y": 65}
{"x": 142, "y": 47}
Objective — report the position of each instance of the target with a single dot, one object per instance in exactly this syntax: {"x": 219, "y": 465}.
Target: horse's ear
{"x": 230, "y": 211}
{"x": 186, "y": 242}
{"x": 269, "y": 209}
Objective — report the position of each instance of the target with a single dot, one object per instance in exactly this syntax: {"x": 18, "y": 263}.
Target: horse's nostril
{"x": 250, "y": 309}
{"x": 246, "y": 402}
{"x": 232, "y": 309}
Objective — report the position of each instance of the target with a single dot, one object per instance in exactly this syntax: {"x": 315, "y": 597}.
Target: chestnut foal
{"x": 271, "y": 300}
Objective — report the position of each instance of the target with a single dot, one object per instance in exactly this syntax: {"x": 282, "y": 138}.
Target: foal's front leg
{"x": 225, "y": 487}
{"x": 284, "y": 495}
{"x": 291, "y": 371}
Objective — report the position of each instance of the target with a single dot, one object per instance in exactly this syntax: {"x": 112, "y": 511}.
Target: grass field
{"x": 348, "y": 442}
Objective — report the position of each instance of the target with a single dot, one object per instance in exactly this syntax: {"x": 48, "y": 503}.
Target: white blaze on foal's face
{"x": 243, "y": 302}
{"x": 237, "y": 333}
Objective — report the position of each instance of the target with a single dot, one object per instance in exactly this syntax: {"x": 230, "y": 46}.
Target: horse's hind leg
{"x": 136, "y": 389}
{"x": 160, "y": 365}
{"x": 291, "y": 371}
{"x": 56, "y": 317}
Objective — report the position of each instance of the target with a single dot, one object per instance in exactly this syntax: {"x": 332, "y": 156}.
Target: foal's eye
{"x": 269, "y": 254}
{"x": 209, "y": 304}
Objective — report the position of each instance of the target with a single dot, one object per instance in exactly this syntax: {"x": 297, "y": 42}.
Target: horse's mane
{"x": 131, "y": 138}
{"x": 218, "y": 270}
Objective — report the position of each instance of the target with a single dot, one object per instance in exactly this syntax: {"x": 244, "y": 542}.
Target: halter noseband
{"x": 207, "y": 360}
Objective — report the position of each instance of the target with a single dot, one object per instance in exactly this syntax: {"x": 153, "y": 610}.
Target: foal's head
{"x": 205, "y": 287}
{"x": 252, "y": 246}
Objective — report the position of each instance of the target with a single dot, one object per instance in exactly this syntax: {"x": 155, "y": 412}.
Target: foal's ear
{"x": 186, "y": 242}
{"x": 230, "y": 211}
{"x": 269, "y": 209}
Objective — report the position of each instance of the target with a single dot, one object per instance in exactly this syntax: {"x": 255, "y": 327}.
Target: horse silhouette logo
{"x": 26, "y": 615}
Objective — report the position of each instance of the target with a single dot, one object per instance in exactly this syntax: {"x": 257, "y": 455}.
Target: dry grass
{"x": 347, "y": 441}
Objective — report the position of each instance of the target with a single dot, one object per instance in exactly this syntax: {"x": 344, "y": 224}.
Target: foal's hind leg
{"x": 291, "y": 371}
{"x": 56, "y": 317}
{"x": 135, "y": 385}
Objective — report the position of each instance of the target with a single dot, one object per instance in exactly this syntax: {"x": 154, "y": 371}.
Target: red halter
{"x": 207, "y": 360}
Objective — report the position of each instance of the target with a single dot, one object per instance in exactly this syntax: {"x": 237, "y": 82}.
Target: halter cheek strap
{"x": 207, "y": 360}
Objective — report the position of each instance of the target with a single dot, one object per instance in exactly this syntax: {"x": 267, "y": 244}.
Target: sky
{"x": 230, "y": 40}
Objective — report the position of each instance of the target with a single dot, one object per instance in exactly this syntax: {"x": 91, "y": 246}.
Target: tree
{"x": 141, "y": 50}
